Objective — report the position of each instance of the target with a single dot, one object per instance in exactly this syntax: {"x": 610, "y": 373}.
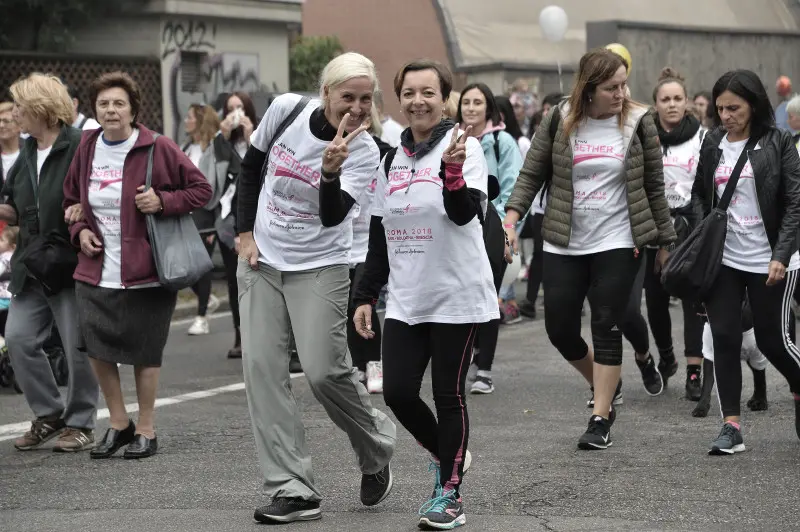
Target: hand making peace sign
{"x": 456, "y": 151}
{"x": 335, "y": 154}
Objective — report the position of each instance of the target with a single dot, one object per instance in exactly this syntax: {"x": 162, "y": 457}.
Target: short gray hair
{"x": 793, "y": 107}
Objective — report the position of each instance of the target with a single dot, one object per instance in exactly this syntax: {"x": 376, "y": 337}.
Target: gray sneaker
{"x": 729, "y": 441}
{"x": 482, "y": 385}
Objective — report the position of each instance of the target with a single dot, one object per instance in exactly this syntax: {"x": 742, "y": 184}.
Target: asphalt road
{"x": 527, "y": 474}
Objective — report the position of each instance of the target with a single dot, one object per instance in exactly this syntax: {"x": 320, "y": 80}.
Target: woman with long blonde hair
{"x": 606, "y": 203}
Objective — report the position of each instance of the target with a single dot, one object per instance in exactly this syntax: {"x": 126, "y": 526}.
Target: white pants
{"x": 750, "y": 351}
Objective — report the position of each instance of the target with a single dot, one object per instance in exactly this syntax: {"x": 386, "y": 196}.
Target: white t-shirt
{"x": 391, "y": 132}
{"x": 41, "y": 157}
{"x": 194, "y": 152}
{"x": 288, "y": 230}
{"x": 358, "y": 251}
{"x": 90, "y": 124}
{"x": 600, "y": 219}
{"x": 105, "y": 198}
{"x": 8, "y": 161}
{"x": 438, "y": 271}
{"x": 747, "y": 247}
{"x": 680, "y": 166}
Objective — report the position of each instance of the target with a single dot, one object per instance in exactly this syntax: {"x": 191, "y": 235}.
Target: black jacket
{"x": 776, "y": 167}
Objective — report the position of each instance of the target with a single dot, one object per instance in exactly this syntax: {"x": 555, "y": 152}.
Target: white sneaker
{"x": 213, "y": 304}
{"x": 374, "y": 377}
{"x": 199, "y": 326}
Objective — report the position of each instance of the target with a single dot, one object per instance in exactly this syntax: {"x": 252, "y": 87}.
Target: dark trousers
{"x": 634, "y": 327}
{"x": 488, "y": 332}
{"x": 361, "y": 349}
{"x": 606, "y": 278}
{"x": 537, "y": 261}
{"x": 657, "y": 301}
{"x": 406, "y": 352}
{"x": 203, "y": 287}
{"x": 772, "y": 318}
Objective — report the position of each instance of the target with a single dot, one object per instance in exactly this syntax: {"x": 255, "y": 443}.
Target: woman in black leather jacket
{"x": 760, "y": 257}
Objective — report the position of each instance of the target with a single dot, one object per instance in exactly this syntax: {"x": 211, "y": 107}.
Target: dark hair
{"x": 552, "y": 99}
{"x": 536, "y": 119}
{"x": 508, "y": 116}
{"x": 704, "y": 94}
{"x": 669, "y": 75}
{"x": 492, "y": 113}
{"x": 117, "y": 79}
{"x": 445, "y": 77}
{"x": 73, "y": 92}
{"x": 249, "y": 111}
{"x": 748, "y": 86}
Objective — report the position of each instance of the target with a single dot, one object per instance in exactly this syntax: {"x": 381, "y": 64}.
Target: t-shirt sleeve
{"x": 359, "y": 168}
{"x": 475, "y": 170}
{"x": 277, "y": 111}
{"x": 379, "y": 199}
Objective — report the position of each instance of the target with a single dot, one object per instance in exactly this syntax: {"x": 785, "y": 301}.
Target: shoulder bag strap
{"x": 278, "y": 132}
{"x": 731, "y": 186}
{"x": 148, "y": 181}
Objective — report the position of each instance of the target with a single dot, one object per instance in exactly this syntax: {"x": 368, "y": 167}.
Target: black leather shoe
{"x": 142, "y": 447}
{"x": 113, "y": 440}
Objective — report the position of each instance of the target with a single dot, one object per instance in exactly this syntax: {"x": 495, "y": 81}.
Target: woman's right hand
{"x": 248, "y": 251}
{"x": 363, "y": 322}
{"x": 226, "y": 127}
{"x": 90, "y": 244}
{"x": 73, "y": 214}
{"x": 510, "y": 227}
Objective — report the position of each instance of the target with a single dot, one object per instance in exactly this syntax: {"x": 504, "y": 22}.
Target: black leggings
{"x": 606, "y": 278}
{"x": 537, "y": 261}
{"x": 489, "y": 332}
{"x": 203, "y": 287}
{"x": 771, "y": 322}
{"x": 657, "y": 300}
{"x": 634, "y": 328}
{"x": 406, "y": 353}
{"x": 361, "y": 349}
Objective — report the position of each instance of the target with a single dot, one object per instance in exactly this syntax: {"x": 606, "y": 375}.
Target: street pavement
{"x": 527, "y": 474}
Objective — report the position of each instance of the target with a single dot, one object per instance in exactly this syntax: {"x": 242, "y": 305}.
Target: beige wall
{"x": 131, "y": 36}
{"x": 244, "y": 55}
{"x": 388, "y": 32}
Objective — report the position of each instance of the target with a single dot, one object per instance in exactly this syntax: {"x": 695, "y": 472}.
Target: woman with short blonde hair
{"x": 43, "y": 109}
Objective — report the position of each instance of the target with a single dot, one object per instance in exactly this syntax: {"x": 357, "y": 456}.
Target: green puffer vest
{"x": 647, "y": 205}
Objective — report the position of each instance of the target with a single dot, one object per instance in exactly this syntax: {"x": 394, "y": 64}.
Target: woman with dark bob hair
{"x": 760, "y": 259}
{"x": 124, "y": 312}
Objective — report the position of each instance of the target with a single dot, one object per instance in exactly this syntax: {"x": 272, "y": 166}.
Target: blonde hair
{"x": 6, "y": 107}
{"x": 207, "y": 123}
{"x": 343, "y": 68}
{"x": 375, "y": 126}
{"x": 451, "y": 105}
{"x": 793, "y": 107}
{"x": 10, "y": 234}
{"x": 45, "y": 97}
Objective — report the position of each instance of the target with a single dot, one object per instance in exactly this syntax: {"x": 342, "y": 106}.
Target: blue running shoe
{"x": 444, "y": 512}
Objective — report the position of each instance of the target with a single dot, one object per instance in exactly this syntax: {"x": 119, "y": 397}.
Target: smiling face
{"x": 671, "y": 104}
{"x": 473, "y": 109}
{"x": 353, "y": 96}
{"x": 422, "y": 101}
{"x": 114, "y": 112}
{"x": 609, "y": 96}
{"x": 735, "y": 114}
{"x": 8, "y": 126}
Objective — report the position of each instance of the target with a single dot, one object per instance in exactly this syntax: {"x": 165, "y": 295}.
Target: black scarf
{"x": 681, "y": 133}
{"x": 419, "y": 150}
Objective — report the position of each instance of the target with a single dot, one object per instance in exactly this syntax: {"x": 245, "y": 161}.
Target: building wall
{"x": 700, "y": 55}
{"x": 243, "y": 55}
{"x": 389, "y": 33}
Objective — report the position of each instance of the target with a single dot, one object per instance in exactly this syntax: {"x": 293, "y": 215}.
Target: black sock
{"x": 666, "y": 355}
{"x": 759, "y": 382}
{"x": 238, "y": 341}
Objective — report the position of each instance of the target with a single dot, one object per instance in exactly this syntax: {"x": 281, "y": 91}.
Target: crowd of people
{"x": 324, "y": 209}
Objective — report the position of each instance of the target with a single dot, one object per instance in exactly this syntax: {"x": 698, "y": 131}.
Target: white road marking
{"x": 15, "y": 430}
{"x": 214, "y": 316}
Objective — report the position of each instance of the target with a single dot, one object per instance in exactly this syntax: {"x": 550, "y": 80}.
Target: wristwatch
{"x": 669, "y": 247}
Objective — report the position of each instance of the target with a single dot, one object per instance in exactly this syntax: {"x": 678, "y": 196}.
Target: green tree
{"x": 49, "y": 25}
{"x": 307, "y": 57}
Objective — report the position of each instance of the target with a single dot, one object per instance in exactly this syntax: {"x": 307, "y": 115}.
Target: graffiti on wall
{"x": 221, "y": 72}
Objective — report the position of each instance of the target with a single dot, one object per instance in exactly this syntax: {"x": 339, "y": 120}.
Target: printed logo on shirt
{"x": 402, "y": 211}
{"x": 675, "y": 161}
{"x": 584, "y": 151}
{"x": 103, "y": 177}
{"x": 287, "y": 166}
{"x": 402, "y": 179}
{"x": 403, "y": 235}
{"x": 724, "y": 172}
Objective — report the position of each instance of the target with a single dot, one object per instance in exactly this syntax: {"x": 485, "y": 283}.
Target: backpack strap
{"x": 301, "y": 105}
{"x": 555, "y": 120}
{"x": 387, "y": 161}
{"x": 85, "y": 119}
{"x": 497, "y": 147}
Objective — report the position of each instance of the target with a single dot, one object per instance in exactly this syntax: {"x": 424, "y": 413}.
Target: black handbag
{"x": 693, "y": 267}
{"x": 51, "y": 260}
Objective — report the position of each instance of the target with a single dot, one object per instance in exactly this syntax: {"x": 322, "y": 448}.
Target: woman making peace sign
{"x": 426, "y": 239}
{"x": 295, "y": 230}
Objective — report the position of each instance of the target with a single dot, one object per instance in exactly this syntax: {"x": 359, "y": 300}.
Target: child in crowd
{"x": 8, "y": 243}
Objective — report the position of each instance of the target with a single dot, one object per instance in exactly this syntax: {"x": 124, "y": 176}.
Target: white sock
{"x": 482, "y": 373}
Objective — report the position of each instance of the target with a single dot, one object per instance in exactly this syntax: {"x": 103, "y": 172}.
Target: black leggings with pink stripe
{"x": 406, "y": 352}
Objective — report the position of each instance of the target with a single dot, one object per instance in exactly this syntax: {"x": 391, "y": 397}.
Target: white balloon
{"x": 553, "y": 21}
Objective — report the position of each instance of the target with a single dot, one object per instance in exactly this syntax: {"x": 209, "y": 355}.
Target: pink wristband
{"x": 508, "y": 226}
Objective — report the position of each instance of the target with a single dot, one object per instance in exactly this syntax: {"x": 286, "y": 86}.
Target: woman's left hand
{"x": 661, "y": 260}
{"x": 508, "y": 254}
{"x": 73, "y": 214}
{"x": 456, "y": 151}
{"x": 247, "y": 127}
{"x": 148, "y": 202}
{"x": 777, "y": 272}
{"x": 336, "y": 153}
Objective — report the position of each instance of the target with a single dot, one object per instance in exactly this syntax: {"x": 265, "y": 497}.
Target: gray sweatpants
{"x": 30, "y": 320}
{"x": 315, "y": 302}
